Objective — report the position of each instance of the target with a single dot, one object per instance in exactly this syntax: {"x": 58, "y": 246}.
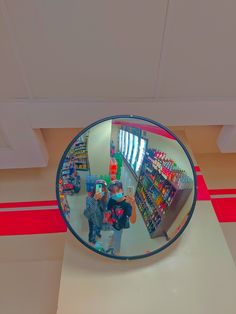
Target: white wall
{"x": 219, "y": 170}
{"x": 30, "y": 269}
{"x": 17, "y": 119}
{"x": 115, "y": 135}
{"x": 25, "y": 147}
{"x": 36, "y": 183}
{"x": 183, "y": 279}
{"x": 99, "y": 142}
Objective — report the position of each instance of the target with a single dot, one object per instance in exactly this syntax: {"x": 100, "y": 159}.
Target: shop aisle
{"x": 137, "y": 235}
{"x": 77, "y": 205}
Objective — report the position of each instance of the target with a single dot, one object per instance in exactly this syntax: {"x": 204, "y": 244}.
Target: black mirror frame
{"x": 69, "y": 225}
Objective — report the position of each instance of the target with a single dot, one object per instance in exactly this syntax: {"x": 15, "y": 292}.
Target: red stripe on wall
{"x": 225, "y": 209}
{"x": 28, "y": 204}
{"x": 197, "y": 168}
{"x": 146, "y": 127}
{"x": 31, "y": 222}
{"x": 222, "y": 191}
{"x": 202, "y": 190}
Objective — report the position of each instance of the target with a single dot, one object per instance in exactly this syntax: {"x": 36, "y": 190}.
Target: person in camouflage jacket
{"x": 96, "y": 204}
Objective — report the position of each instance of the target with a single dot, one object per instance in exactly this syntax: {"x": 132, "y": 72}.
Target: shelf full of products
{"x": 70, "y": 178}
{"x": 80, "y": 153}
{"x": 65, "y": 206}
{"x": 162, "y": 190}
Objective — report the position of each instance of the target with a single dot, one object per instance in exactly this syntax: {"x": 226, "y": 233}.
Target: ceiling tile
{"x": 200, "y": 48}
{"x": 3, "y": 142}
{"x": 94, "y": 49}
{"x": 11, "y": 83}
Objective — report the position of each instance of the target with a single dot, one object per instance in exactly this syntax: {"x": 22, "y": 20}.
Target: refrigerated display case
{"x": 135, "y": 152}
{"x": 141, "y": 153}
{"x": 126, "y": 144}
{"x": 130, "y": 147}
{"x": 123, "y": 142}
{"x": 120, "y": 141}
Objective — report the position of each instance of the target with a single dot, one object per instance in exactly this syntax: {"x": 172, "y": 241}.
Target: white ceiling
{"x": 117, "y": 49}
{"x": 11, "y": 82}
{"x": 67, "y": 63}
{"x": 92, "y": 49}
{"x": 3, "y": 142}
{"x": 199, "y": 55}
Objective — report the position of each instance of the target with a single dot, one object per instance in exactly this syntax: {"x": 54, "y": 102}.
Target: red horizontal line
{"x": 225, "y": 209}
{"x": 222, "y": 191}
{"x": 28, "y": 204}
{"x": 50, "y": 221}
{"x": 26, "y": 209}
{"x": 149, "y": 128}
{"x": 31, "y": 222}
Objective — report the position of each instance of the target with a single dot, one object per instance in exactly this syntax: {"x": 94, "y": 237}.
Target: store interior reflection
{"x": 126, "y": 187}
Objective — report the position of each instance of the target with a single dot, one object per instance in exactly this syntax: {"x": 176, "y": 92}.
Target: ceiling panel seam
{"x": 161, "y": 50}
{"x": 13, "y": 42}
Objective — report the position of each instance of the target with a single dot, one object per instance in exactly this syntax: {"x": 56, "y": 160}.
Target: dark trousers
{"x": 93, "y": 231}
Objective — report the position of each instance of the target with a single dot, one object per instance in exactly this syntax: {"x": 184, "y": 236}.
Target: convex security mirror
{"x": 126, "y": 187}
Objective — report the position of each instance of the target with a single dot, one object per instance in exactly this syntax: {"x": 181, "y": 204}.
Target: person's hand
{"x": 130, "y": 199}
{"x": 98, "y": 196}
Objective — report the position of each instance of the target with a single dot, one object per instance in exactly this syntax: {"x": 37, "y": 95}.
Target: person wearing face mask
{"x": 96, "y": 204}
{"x": 119, "y": 210}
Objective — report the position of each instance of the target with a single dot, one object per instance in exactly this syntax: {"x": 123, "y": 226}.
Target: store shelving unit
{"x": 80, "y": 153}
{"x": 161, "y": 193}
{"x": 70, "y": 178}
{"x": 65, "y": 206}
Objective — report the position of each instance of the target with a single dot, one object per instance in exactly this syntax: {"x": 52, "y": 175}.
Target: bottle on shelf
{"x": 159, "y": 180}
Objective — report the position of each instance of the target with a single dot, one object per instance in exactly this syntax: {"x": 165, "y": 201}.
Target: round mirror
{"x": 126, "y": 187}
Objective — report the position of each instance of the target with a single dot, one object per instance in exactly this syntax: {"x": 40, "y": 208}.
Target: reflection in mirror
{"x": 126, "y": 187}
